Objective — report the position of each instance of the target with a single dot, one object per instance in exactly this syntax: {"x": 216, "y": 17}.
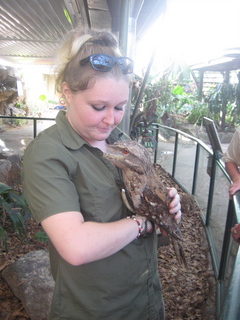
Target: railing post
{"x": 226, "y": 241}
{"x": 156, "y": 147}
{"x": 195, "y": 173}
{"x": 231, "y": 307}
{"x": 175, "y": 155}
{"x": 211, "y": 188}
{"x": 34, "y": 128}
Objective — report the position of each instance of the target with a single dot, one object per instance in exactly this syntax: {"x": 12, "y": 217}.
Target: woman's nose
{"x": 109, "y": 117}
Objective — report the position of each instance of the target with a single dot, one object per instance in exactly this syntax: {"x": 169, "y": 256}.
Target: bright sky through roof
{"x": 192, "y": 31}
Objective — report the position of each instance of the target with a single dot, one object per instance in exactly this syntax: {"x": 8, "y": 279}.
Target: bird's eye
{"x": 125, "y": 151}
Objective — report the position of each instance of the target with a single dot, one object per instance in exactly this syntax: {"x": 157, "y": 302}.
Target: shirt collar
{"x": 70, "y": 138}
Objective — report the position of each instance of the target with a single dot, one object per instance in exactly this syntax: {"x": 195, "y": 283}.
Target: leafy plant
{"x": 221, "y": 102}
{"x": 42, "y": 97}
{"x": 198, "y": 112}
{"x": 14, "y": 207}
{"x": 19, "y": 122}
{"x": 18, "y": 105}
{"x": 41, "y": 236}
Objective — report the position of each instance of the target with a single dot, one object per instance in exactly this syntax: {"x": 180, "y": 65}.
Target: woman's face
{"x": 95, "y": 112}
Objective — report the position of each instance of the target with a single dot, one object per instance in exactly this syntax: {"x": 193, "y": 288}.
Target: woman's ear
{"x": 66, "y": 91}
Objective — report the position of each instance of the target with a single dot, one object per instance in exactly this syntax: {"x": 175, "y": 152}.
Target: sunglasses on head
{"x": 103, "y": 62}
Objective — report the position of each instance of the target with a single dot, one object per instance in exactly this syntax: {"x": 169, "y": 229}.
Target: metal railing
{"x": 208, "y": 181}
{"x": 34, "y": 119}
{"x": 209, "y": 185}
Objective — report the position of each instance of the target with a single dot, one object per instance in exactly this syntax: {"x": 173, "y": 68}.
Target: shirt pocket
{"x": 107, "y": 203}
{"x": 100, "y": 201}
{"x": 99, "y": 195}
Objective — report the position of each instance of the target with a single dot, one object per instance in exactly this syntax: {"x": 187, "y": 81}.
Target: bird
{"x": 147, "y": 193}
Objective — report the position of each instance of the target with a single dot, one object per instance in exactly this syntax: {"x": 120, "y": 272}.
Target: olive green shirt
{"x": 63, "y": 173}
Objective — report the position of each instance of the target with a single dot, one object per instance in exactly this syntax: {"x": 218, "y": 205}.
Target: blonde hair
{"x": 78, "y": 45}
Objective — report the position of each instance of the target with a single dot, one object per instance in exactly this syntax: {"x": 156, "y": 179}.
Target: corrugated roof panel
{"x": 17, "y": 48}
{"x": 32, "y": 28}
{"x": 42, "y": 20}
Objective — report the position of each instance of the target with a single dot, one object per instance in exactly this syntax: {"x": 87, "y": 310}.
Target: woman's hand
{"x": 234, "y": 187}
{"x": 232, "y": 170}
{"x": 236, "y": 232}
{"x": 174, "y": 207}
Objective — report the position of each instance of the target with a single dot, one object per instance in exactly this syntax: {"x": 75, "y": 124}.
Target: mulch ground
{"x": 189, "y": 293}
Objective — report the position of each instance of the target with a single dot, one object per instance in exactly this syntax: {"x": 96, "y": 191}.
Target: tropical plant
{"x": 13, "y": 206}
{"x": 198, "y": 111}
{"x": 221, "y": 102}
{"x": 162, "y": 100}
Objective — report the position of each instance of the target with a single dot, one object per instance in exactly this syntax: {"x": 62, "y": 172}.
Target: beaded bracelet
{"x": 140, "y": 228}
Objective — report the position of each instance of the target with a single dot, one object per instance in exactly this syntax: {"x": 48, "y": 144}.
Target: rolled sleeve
{"x": 48, "y": 185}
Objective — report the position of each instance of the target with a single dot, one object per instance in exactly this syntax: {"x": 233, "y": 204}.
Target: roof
{"x": 33, "y": 29}
{"x": 229, "y": 60}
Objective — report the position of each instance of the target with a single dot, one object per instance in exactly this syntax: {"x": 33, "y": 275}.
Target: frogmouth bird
{"x": 146, "y": 191}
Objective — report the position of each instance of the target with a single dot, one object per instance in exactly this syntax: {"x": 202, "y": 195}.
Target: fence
{"x": 208, "y": 181}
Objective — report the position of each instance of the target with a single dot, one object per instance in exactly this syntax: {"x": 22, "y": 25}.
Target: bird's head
{"x": 129, "y": 154}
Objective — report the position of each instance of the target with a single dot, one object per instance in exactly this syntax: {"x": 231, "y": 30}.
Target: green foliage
{"x": 183, "y": 101}
{"x": 15, "y": 208}
{"x": 19, "y": 122}
{"x": 223, "y": 102}
{"x": 176, "y": 93}
{"x": 170, "y": 94}
{"x": 53, "y": 102}
{"x": 3, "y": 238}
{"x": 42, "y": 97}
{"x": 178, "y": 90}
{"x": 18, "y": 105}
{"x": 199, "y": 110}
{"x": 220, "y": 96}
{"x": 158, "y": 97}
{"x": 41, "y": 236}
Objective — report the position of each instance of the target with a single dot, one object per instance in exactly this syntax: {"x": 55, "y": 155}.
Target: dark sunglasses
{"x": 103, "y": 62}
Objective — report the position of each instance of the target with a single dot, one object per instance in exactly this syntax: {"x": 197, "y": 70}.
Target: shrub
{"x": 13, "y": 206}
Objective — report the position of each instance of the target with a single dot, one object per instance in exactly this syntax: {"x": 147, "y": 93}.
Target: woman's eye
{"x": 119, "y": 108}
{"x": 98, "y": 108}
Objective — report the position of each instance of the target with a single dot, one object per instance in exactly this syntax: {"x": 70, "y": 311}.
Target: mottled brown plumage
{"x": 148, "y": 194}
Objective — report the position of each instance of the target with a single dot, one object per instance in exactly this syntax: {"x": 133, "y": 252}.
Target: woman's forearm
{"x": 80, "y": 242}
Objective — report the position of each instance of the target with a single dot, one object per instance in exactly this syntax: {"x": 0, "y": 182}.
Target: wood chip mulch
{"x": 189, "y": 293}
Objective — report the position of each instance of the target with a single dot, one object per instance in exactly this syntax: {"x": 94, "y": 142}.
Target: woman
{"x": 104, "y": 264}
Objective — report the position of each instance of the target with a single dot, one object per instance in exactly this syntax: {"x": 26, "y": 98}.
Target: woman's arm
{"x": 232, "y": 170}
{"x": 80, "y": 242}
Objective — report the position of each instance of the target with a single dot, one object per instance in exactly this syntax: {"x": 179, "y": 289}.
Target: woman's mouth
{"x": 105, "y": 130}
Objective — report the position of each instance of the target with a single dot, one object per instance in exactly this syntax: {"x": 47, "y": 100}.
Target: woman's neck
{"x": 99, "y": 144}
